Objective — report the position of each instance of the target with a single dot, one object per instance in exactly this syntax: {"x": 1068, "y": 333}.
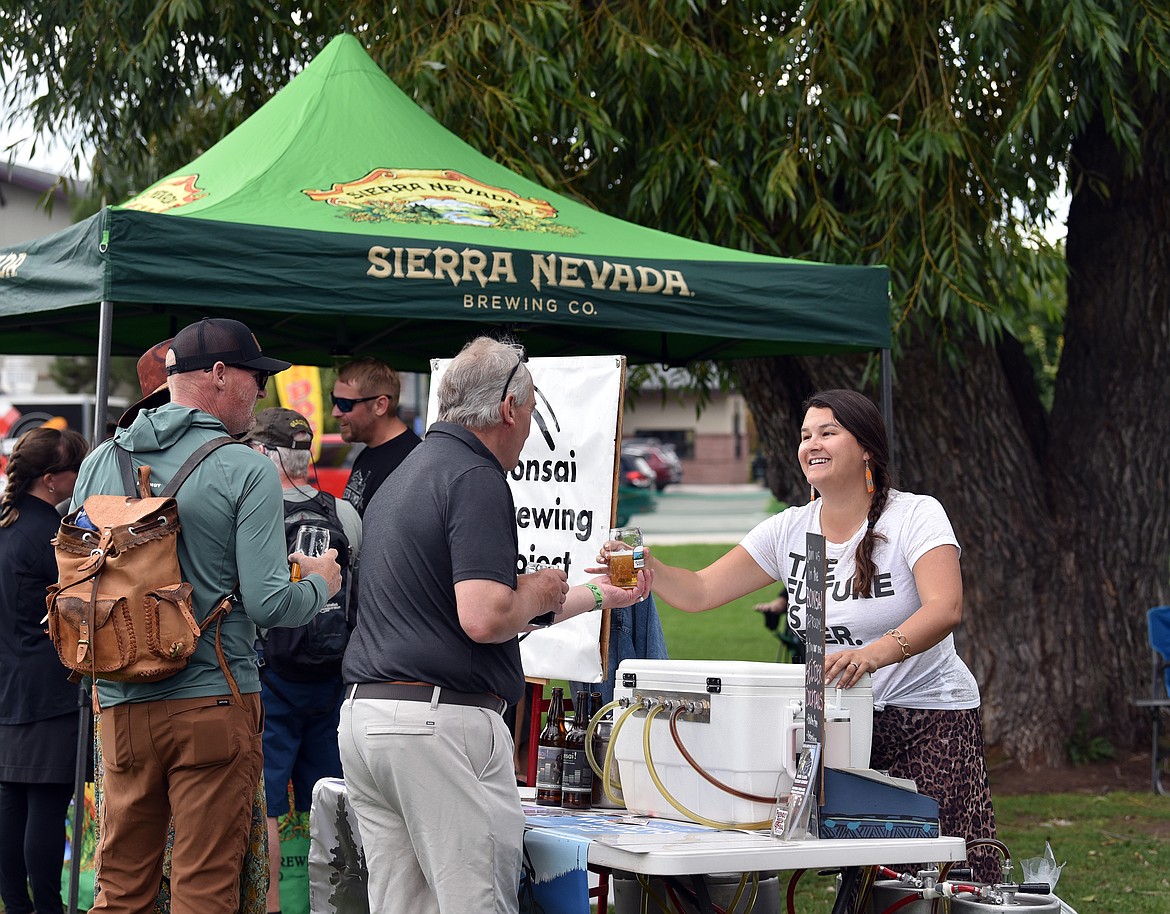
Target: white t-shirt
{"x": 912, "y": 525}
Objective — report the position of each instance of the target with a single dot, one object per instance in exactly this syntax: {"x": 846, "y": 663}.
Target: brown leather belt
{"x": 403, "y": 691}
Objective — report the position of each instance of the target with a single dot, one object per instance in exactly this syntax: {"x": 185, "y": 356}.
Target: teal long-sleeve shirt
{"x": 232, "y": 540}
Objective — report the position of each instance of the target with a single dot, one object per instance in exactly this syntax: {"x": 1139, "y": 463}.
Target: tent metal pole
{"x": 77, "y": 832}
{"x": 887, "y": 385}
{"x": 101, "y": 404}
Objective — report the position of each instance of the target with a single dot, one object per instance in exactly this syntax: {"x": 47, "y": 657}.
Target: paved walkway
{"x": 693, "y": 513}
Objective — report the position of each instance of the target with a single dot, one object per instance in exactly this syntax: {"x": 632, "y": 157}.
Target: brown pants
{"x": 198, "y": 758}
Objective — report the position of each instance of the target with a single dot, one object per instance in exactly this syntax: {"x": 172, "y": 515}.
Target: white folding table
{"x": 658, "y": 847}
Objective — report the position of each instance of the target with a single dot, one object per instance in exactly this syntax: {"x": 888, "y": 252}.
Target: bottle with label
{"x": 550, "y": 757}
{"x": 577, "y": 780}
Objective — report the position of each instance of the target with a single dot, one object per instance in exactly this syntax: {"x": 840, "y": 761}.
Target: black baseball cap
{"x": 218, "y": 339}
{"x": 280, "y": 427}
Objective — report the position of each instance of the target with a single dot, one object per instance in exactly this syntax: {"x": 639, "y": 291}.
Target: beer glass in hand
{"x": 625, "y": 556}
{"x": 311, "y": 541}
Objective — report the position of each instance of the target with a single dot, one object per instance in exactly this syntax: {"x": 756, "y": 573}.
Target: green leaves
{"x": 856, "y": 132}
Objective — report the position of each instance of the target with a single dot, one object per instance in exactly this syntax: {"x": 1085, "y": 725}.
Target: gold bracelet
{"x": 902, "y": 643}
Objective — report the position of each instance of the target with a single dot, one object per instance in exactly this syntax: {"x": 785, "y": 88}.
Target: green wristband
{"x": 598, "y": 597}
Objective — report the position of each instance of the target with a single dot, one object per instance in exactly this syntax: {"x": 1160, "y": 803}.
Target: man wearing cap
{"x": 302, "y": 702}
{"x": 365, "y": 405}
{"x": 435, "y": 657}
{"x": 189, "y": 745}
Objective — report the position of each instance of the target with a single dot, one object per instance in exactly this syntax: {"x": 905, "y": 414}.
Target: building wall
{"x": 22, "y": 213}
{"x": 716, "y": 446}
{"x": 24, "y": 216}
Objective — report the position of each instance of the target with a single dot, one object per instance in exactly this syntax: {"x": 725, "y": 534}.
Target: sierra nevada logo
{"x": 169, "y": 194}
{"x": 438, "y": 196}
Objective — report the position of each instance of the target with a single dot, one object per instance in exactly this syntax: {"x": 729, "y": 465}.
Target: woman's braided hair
{"x": 37, "y": 452}
{"x": 857, "y": 414}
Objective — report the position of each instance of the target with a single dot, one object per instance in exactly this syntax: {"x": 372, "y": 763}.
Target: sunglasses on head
{"x": 346, "y": 404}
{"x": 511, "y": 374}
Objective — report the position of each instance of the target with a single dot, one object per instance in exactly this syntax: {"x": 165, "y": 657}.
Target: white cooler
{"x": 747, "y": 741}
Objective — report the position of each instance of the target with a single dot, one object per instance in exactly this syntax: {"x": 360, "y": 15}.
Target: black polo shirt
{"x": 445, "y": 515}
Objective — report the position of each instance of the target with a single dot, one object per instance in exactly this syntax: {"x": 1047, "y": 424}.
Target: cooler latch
{"x": 630, "y": 680}
{"x": 714, "y": 685}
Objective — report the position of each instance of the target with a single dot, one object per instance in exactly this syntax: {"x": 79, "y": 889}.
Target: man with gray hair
{"x": 300, "y": 668}
{"x": 435, "y": 657}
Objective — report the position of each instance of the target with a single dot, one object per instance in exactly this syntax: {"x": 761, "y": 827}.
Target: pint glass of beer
{"x": 625, "y": 556}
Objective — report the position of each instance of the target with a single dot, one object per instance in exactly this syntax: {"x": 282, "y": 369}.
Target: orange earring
{"x": 869, "y": 486}
{"x": 812, "y": 493}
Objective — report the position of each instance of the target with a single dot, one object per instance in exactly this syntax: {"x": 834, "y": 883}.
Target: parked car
{"x": 661, "y": 457}
{"x": 635, "y": 489}
{"x": 330, "y": 472}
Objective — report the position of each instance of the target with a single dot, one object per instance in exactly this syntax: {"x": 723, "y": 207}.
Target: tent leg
{"x": 887, "y": 385}
{"x": 101, "y": 402}
{"x": 79, "y": 766}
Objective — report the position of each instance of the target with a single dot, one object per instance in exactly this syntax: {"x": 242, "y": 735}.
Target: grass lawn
{"x": 731, "y": 632}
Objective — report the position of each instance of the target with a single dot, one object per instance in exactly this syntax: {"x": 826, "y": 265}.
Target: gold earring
{"x": 869, "y": 486}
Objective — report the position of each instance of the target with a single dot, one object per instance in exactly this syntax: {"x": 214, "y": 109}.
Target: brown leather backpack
{"x": 120, "y": 609}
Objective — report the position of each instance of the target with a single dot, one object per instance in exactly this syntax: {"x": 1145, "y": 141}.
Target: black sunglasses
{"x": 346, "y": 404}
{"x": 258, "y": 375}
{"x": 511, "y": 374}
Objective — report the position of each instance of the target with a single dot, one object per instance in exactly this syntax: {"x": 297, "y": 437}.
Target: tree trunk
{"x": 1065, "y": 534}
{"x": 1108, "y": 465}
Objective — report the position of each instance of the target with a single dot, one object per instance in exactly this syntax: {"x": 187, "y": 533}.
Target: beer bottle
{"x": 551, "y": 752}
{"x": 577, "y": 782}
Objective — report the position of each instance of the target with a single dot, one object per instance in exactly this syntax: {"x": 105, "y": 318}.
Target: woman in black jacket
{"x": 38, "y": 704}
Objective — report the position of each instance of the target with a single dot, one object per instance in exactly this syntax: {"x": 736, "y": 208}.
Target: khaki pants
{"x": 198, "y": 759}
{"x": 435, "y": 796}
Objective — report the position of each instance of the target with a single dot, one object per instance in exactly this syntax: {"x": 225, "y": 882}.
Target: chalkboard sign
{"x": 814, "y": 651}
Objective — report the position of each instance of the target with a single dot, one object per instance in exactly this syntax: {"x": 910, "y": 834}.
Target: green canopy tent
{"x": 341, "y": 219}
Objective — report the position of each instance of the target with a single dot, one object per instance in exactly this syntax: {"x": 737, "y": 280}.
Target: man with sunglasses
{"x": 435, "y": 657}
{"x": 189, "y": 746}
{"x": 365, "y": 405}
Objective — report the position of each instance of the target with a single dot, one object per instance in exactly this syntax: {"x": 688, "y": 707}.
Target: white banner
{"x": 563, "y": 488}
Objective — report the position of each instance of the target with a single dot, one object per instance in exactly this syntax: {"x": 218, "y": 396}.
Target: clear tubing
{"x": 591, "y": 729}
{"x": 605, "y": 776}
{"x": 690, "y": 814}
{"x": 706, "y": 775}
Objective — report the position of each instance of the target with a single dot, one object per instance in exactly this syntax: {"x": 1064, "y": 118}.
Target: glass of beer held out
{"x": 625, "y": 556}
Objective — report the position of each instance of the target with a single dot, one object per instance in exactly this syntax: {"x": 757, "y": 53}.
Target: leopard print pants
{"x": 942, "y": 752}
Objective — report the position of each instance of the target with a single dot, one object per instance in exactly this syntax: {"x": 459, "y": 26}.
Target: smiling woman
{"x": 893, "y": 596}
